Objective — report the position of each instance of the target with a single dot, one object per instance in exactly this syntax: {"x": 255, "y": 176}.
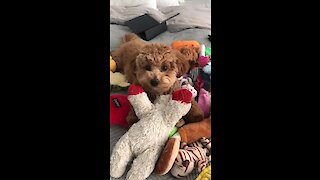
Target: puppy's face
{"x": 156, "y": 68}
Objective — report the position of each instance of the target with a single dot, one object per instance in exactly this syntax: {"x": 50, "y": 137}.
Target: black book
{"x": 146, "y": 27}
{"x": 141, "y": 23}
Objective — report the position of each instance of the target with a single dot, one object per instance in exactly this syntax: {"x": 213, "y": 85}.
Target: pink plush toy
{"x": 204, "y": 102}
{"x": 203, "y": 61}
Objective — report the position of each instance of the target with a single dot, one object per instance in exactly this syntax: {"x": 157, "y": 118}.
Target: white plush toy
{"x": 145, "y": 139}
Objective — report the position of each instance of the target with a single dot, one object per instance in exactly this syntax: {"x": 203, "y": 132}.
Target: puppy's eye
{"x": 164, "y": 68}
{"x": 148, "y": 67}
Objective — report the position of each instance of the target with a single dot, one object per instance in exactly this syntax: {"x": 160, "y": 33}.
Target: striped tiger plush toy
{"x": 195, "y": 155}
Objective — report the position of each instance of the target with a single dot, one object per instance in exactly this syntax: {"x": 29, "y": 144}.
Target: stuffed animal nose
{"x": 154, "y": 82}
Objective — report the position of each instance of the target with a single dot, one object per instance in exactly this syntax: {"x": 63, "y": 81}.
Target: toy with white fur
{"x": 145, "y": 139}
{"x": 195, "y": 155}
{"x": 186, "y": 84}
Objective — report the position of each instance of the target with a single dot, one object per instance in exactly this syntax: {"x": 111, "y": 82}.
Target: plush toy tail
{"x": 139, "y": 100}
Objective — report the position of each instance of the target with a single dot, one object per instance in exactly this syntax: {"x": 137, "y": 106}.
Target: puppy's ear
{"x": 129, "y": 37}
{"x": 130, "y": 71}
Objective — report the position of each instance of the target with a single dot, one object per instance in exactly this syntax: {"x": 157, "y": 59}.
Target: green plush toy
{"x": 118, "y": 81}
{"x": 173, "y": 131}
{"x": 208, "y": 52}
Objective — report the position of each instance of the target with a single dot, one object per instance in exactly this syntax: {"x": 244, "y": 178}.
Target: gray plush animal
{"x": 145, "y": 139}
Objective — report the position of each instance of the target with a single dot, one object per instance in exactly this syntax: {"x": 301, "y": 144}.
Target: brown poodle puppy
{"x": 156, "y": 68}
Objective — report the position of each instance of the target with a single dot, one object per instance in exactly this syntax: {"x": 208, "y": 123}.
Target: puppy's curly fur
{"x": 155, "y": 67}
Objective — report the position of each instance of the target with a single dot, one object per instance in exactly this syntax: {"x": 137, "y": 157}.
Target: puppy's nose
{"x": 154, "y": 82}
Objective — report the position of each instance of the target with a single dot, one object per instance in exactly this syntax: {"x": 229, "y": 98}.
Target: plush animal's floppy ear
{"x": 187, "y": 60}
{"x": 183, "y": 64}
{"x": 192, "y": 55}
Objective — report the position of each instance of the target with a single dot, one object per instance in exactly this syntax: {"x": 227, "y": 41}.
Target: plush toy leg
{"x": 120, "y": 157}
{"x": 195, "y": 114}
{"x": 143, "y": 165}
{"x": 139, "y": 100}
{"x": 202, "y": 164}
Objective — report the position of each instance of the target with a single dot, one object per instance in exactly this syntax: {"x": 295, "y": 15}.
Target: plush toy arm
{"x": 202, "y": 164}
{"x": 139, "y": 100}
{"x": 179, "y": 105}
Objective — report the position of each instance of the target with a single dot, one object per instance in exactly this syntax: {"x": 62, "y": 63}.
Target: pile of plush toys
{"x": 191, "y": 141}
{"x": 190, "y": 144}
{"x": 119, "y": 104}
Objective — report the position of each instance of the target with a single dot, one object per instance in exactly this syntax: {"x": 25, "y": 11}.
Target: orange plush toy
{"x": 192, "y": 132}
{"x": 180, "y": 44}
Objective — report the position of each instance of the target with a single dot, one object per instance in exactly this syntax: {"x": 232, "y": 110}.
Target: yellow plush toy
{"x": 118, "y": 81}
{"x": 205, "y": 174}
{"x": 113, "y": 64}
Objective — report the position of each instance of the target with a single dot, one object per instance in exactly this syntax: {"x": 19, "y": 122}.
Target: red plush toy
{"x": 119, "y": 109}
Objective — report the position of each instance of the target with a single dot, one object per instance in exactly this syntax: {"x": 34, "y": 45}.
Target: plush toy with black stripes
{"x": 196, "y": 155}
